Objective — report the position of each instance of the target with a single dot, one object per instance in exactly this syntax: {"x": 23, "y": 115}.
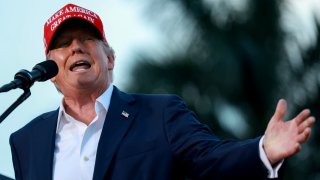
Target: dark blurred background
{"x": 231, "y": 61}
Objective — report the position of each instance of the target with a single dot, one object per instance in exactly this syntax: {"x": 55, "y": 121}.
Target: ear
{"x": 110, "y": 62}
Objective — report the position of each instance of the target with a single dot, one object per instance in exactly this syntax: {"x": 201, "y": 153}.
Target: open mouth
{"x": 80, "y": 65}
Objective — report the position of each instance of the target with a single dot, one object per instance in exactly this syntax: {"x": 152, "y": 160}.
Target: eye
{"x": 87, "y": 38}
{"x": 61, "y": 44}
{"x": 64, "y": 43}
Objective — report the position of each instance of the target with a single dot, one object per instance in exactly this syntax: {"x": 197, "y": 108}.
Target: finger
{"x": 302, "y": 116}
{"x": 302, "y": 138}
{"x": 280, "y": 110}
{"x": 297, "y": 148}
{"x": 305, "y": 124}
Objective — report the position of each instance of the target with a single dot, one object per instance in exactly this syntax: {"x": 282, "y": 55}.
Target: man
{"x": 99, "y": 132}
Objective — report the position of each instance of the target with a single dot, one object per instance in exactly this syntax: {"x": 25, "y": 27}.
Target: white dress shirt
{"x": 76, "y": 143}
{"x": 273, "y": 171}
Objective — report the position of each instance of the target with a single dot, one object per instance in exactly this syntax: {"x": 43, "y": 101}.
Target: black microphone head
{"x": 48, "y": 69}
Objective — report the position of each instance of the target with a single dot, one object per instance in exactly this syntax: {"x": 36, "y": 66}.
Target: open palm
{"x": 284, "y": 138}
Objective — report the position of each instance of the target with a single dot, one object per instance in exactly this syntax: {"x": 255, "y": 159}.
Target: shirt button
{"x": 85, "y": 158}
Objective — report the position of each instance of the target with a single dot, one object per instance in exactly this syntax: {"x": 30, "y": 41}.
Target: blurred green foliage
{"x": 231, "y": 63}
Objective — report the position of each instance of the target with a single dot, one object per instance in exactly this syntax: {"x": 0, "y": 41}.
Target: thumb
{"x": 280, "y": 110}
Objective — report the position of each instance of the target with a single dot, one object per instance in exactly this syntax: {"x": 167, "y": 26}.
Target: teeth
{"x": 80, "y": 65}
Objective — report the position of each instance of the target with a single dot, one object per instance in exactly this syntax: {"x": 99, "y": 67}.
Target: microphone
{"x": 24, "y": 79}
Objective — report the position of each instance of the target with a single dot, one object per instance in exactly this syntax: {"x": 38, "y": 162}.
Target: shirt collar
{"x": 103, "y": 101}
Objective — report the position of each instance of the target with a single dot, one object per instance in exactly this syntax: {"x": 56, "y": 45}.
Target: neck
{"x": 80, "y": 104}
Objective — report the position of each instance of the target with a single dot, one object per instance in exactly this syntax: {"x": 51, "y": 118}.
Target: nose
{"x": 76, "y": 46}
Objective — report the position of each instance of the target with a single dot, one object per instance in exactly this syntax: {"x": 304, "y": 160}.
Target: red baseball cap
{"x": 70, "y": 11}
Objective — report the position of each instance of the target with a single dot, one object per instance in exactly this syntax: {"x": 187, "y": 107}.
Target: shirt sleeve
{"x": 272, "y": 171}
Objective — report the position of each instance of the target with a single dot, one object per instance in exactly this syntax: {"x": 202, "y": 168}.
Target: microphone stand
{"x": 25, "y": 79}
{"x": 22, "y": 98}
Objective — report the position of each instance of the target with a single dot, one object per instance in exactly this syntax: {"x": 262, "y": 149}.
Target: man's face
{"x": 84, "y": 62}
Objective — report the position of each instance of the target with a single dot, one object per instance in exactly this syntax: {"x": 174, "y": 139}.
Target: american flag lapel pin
{"x": 125, "y": 114}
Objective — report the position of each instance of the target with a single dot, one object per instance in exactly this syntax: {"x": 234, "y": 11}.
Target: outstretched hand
{"x": 284, "y": 138}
